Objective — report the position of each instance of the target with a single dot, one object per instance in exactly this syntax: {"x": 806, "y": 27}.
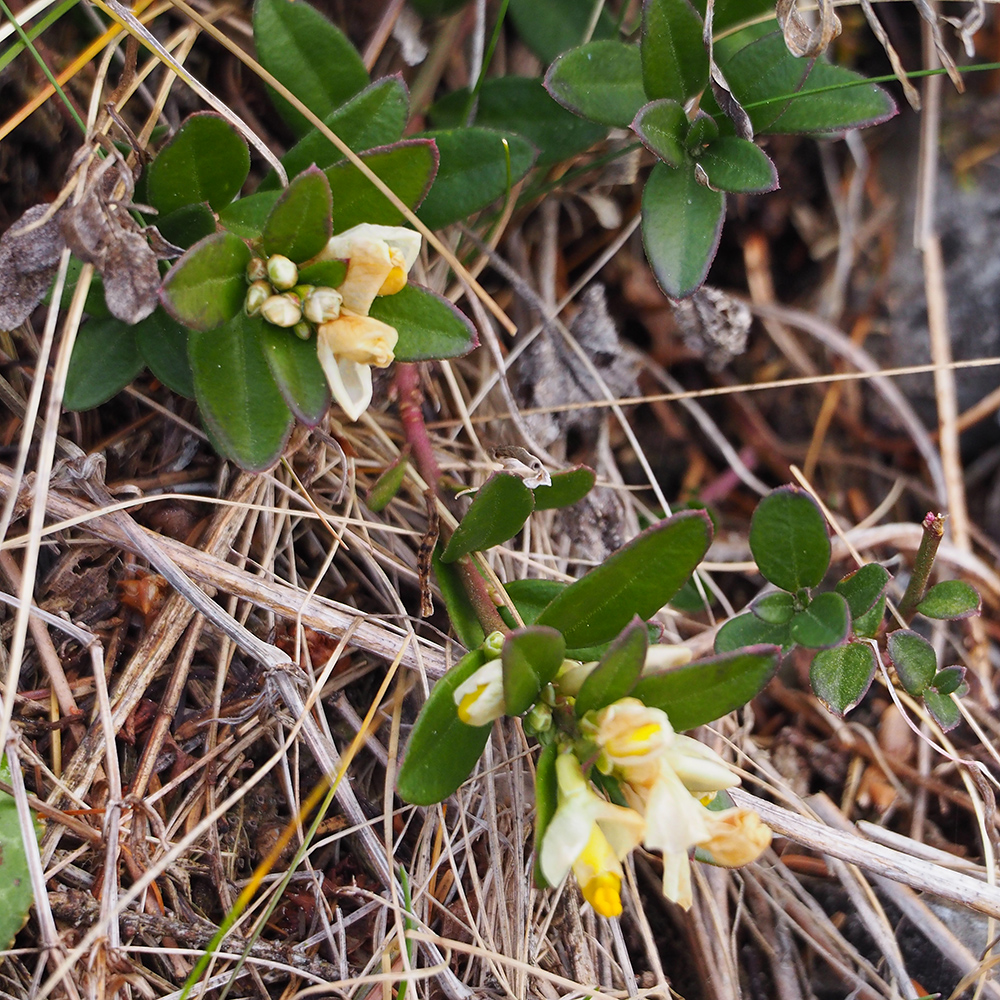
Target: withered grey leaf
{"x": 87, "y": 230}
{"x": 802, "y": 38}
{"x": 131, "y": 277}
{"x": 163, "y": 248}
{"x": 732, "y": 108}
{"x": 28, "y": 262}
{"x": 713, "y": 324}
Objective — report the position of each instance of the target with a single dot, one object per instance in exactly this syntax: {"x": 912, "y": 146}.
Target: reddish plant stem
{"x": 411, "y": 397}
{"x": 933, "y": 525}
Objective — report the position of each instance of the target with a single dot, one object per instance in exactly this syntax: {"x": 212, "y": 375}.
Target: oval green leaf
{"x": 328, "y": 273}
{"x": 207, "y": 286}
{"x": 681, "y": 225}
{"x": 617, "y": 673}
{"x": 375, "y": 117}
{"x": 309, "y": 55}
{"x": 734, "y": 164}
{"x": 662, "y": 127}
{"x": 429, "y": 326}
{"x": 674, "y": 57}
{"x": 300, "y": 222}
{"x": 824, "y": 623}
{"x": 601, "y": 81}
{"x": 246, "y": 217}
{"x": 236, "y": 394}
{"x": 531, "y": 657}
{"x": 749, "y": 630}
{"x": 16, "y": 895}
{"x": 949, "y": 680}
{"x": 497, "y": 513}
{"x": 408, "y": 168}
{"x": 945, "y": 712}
{"x": 863, "y": 588}
{"x": 296, "y": 370}
{"x": 206, "y": 160}
{"x": 776, "y": 608}
{"x": 914, "y": 659}
{"x": 638, "y": 579}
{"x": 950, "y": 600}
{"x": 788, "y": 539}
{"x": 546, "y": 801}
{"x": 868, "y": 624}
{"x": 700, "y": 692}
{"x": 187, "y": 225}
{"x": 840, "y": 677}
{"x": 163, "y": 345}
{"x": 567, "y": 488}
{"x": 105, "y": 359}
{"x": 473, "y": 172}
{"x": 442, "y": 750}
{"x": 531, "y": 597}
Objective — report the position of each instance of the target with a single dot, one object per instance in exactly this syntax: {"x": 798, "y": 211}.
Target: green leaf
{"x": 863, "y": 588}
{"x": 531, "y": 597}
{"x": 187, "y": 225}
{"x": 674, "y": 58}
{"x": 638, "y": 579}
{"x": 557, "y": 25}
{"x": 950, "y": 600}
{"x": 546, "y": 802}
{"x": 949, "y": 680}
{"x": 769, "y": 82}
{"x": 442, "y": 750}
{"x": 429, "y": 326}
{"x": 16, "y": 895}
{"x": 681, "y": 225}
{"x": 461, "y": 612}
{"x": 247, "y": 216}
{"x": 748, "y": 630}
{"x": 702, "y": 130}
{"x": 662, "y": 127}
{"x": 840, "y": 677}
{"x": 408, "y": 167}
{"x": 914, "y": 659}
{"x": 163, "y": 345}
{"x": 207, "y": 286}
{"x": 617, "y": 673}
{"x": 497, "y": 513}
{"x": 205, "y": 161}
{"x": 521, "y": 104}
{"x": 776, "y": 608}
{"x": 531, "y": 657}
{"x": 868, "y": 624}
{"x": 945, "y": 712}
{"x": 105, "y": 359}
{"x": 309, "y": 55}
{"x": 375, "y": 117}
{"x": 705, "y": 690}
{"x": 472, "y": 172}
{"x": 788, "y": 539}
{"x": 388, "y": 484}
{"x": 296, "y": 370}
{"x": 824, "y": 623}
{"x": 237, "y": 397}
{"x": 734, "y": 164}
{"x": 567, "y": 488}
{"x": 601, "y": 81}
{"x": 300, "y": 222}
{"x": 326, "y": 273}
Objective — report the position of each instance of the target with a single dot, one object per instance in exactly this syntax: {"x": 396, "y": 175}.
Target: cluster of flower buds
{"x": 669, "y": 783}
{"x": 349, "y": 341}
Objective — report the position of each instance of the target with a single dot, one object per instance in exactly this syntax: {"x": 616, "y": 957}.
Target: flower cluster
{"x": 667, "y": 781}
{"x": 348, "y": 341}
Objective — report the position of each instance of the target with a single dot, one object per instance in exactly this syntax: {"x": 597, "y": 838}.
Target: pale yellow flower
{"x": 479, "y": 698}
{"x": 589, "y": 835}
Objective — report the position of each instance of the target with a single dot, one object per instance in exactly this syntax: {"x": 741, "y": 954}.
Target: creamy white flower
{"x": 479, "y": 698}
{"x": 590, "y": 835}
{"x": 378, "y": 261}
{"x": 663, "y": 656}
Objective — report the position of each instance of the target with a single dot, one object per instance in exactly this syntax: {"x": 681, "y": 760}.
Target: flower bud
{"x": 493, "y": 645}
{"x": 257, "y": 294}
{"x": 322, "y": 305}
{"x": 283, "y": 273}
{"x": 303, "y": 330}
{"x": 282, "y": 310}
{"x": 256, "y": 269}
{"x": 539, "y": 719}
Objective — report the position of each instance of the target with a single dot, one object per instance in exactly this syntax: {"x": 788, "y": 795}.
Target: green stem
{"x": 933, "y": 526}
